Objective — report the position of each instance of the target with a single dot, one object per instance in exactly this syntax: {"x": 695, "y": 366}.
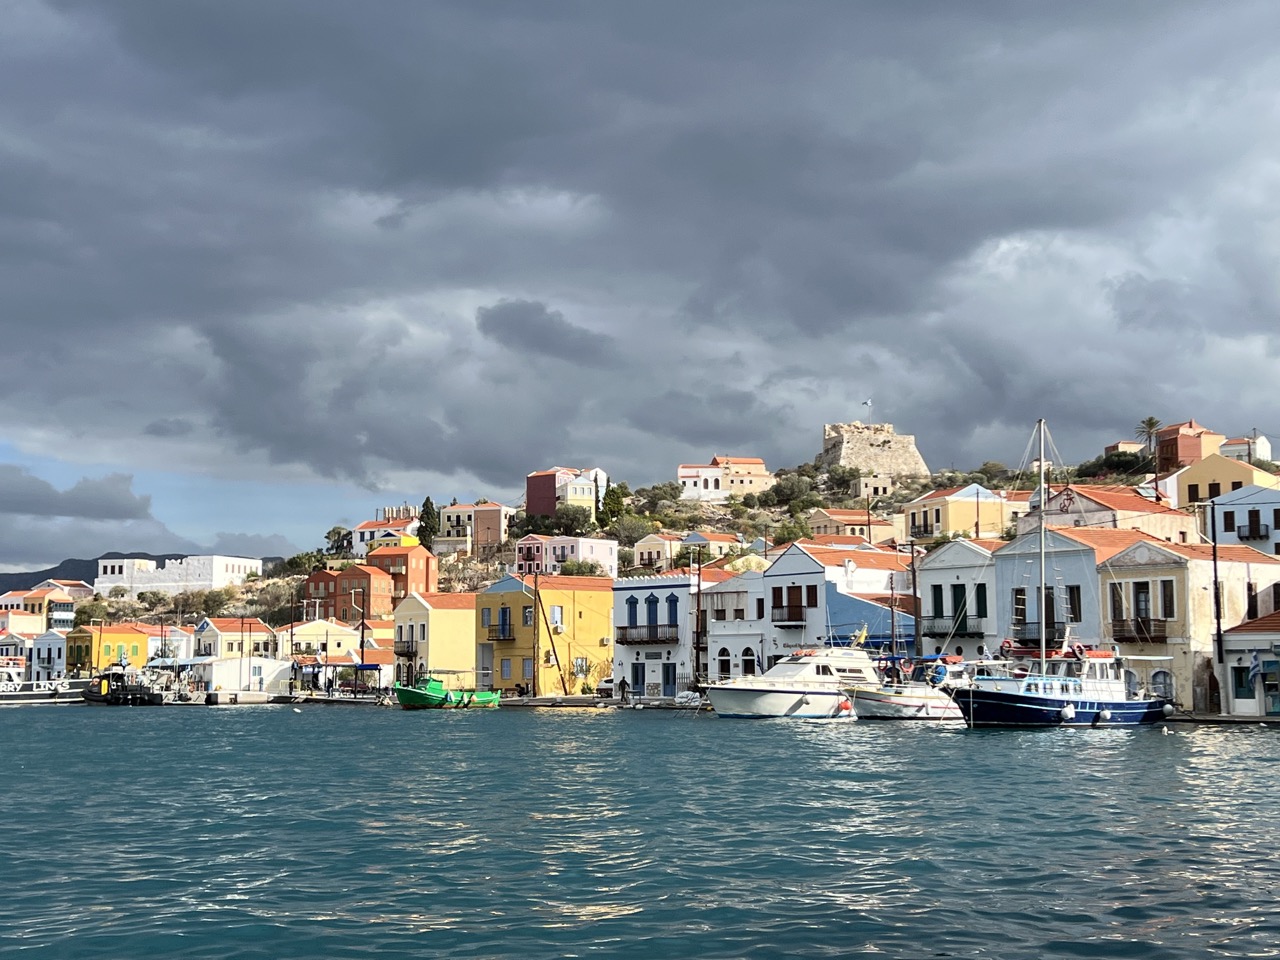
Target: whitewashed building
{"x": 137, "y": 574}
{"x": 653, "y": 633}
{"x": 1249, "y": 516}
{"x": 537, "y": 553}
{"x": 957, "y": 586}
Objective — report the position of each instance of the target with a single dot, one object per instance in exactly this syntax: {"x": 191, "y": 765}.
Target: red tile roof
{"x": 449, "y": 601}
{"x": 872, "y": 559}
{"x": 1268, "y": 624}
{"x": 1106, "y": 543}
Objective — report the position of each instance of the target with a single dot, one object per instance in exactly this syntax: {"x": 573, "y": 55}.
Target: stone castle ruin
{"x": 871, "y": 447}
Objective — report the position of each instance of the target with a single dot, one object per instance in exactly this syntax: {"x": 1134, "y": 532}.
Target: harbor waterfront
{"x": 275, "y": 831}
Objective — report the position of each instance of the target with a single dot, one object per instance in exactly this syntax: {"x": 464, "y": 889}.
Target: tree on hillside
{"x": 629, "y": 528}
{"x": 581, "y": 568}
{"x": 1146, "y": 431}
{"x": 842, "y": 479}
{"x": 993, "y": 472}
{"x": 428, "y": 523}
{"x": 789, "y": 530}
{"x": 153, "y": 600}
{"x": 650, "y": 497}
{"x": 571, "y": 521}
{"x": 613, "y": 505}
{"x": 339, "y": 540}
{"x": 90, "y": 610}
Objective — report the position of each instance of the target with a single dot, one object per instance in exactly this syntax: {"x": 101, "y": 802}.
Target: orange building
{"x": 413, "y": 569}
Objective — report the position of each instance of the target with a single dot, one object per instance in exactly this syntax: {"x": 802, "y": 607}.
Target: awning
{"x": 163, "y": 662}
{"x": 195, "y": 661}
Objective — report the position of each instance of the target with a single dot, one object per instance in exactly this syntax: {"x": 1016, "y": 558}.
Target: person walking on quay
{"x": 622, "y": 689}
{"x": 328, "y": 687}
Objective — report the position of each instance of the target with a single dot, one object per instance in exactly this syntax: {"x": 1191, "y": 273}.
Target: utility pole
{"x": 915, "y": 592}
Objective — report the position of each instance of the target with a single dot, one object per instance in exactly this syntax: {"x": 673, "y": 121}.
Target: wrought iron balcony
{"x": 406, "y": 648}
{"x": 502, "y": 632}
{"x": 649, "y": 633}
{"x": 950, "y": 627}
{"x": 788, "y": 616}
{"x": 1031, "y": 631}
{"x": 1254, "y": 531}
{"x": 1139, "y": 629}
{"x": 923, "y": 530}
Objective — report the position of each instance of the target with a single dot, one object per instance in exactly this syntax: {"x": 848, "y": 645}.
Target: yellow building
{"x": 1216, "y": 475}
{"x": 93, "y": 646}
{"x": 435, "y": 633}
{"x": 554, "y": 639}
{"x": 973, "y": 512}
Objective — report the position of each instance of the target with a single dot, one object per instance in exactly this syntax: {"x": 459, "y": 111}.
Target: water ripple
{"x": 258, "y": 832}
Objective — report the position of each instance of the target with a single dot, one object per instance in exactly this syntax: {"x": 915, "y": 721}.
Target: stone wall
{"x": 872, "y": 448}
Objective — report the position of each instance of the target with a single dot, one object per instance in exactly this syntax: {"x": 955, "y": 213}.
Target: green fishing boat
{"x": 430, "y": 694}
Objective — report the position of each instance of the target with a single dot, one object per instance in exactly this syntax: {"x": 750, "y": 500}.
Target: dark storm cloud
{"x": 363, "y": 240}
{"x": 528, "y": 326}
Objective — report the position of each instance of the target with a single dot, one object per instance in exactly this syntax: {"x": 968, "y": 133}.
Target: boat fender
{"x": 1007, "y": 646}
{"x": 1104, "y": 714}
{"x": 1167, "y": 709}
{"x": 845, "y": 706}
{"x": 1021, "y": 670}
{"x": 1068, "y": 712}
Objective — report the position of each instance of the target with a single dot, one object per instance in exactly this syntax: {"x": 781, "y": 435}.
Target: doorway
{"x": 668, "y": 679}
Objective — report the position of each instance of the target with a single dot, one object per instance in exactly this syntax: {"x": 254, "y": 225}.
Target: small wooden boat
{"x": 430, "y": 694}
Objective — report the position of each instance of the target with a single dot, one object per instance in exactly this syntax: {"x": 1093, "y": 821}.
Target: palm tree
{"x": 1146, "y": 431}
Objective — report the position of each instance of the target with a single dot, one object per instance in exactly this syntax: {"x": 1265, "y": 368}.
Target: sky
{"x": 266, "y": 267}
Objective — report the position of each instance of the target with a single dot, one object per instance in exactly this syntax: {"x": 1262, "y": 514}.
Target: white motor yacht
{"x": 807, "y": 684}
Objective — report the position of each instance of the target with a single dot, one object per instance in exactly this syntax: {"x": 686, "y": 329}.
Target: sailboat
{"x": 1074, "y": 685}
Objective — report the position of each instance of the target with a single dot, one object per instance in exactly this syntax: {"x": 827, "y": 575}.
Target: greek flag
{"x": 1255, "y": 668}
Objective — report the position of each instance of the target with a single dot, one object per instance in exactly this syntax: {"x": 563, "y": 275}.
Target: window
{"x": 673, "y": 610}
{"x": 1251, "y": 602}
{"x": 1117, "y": 601}
{"x": 400, "y": 631}
{"x": 526, "y": 616}
{"x": 1074, "y": 609}
{"x": 980, "y": 600}
{"x": 718, "y": 614}
{"x": 1275, "y": 597}
{"x": 1229, "y": 521}
{"x": 1193, "y": 492}
{"x": 651, "y": 610}
{"x": 739, "y": 613}
{"x": 1167, "y": 606}
{"x": 811, "y": 595}
{"x": 1019, "y": 605}
{"x": 1275, "y": 517}
{"x": 760, "y": 600}
{"x": 1215, "y": 490}
{"x": 935, "y": 594}
{"x": 486, "y": 617}
{"x": 527, "y": 667}
{"x": 557, "y": 615}
{"x": 506, "y": 668}
{"x": 633, "y": 607}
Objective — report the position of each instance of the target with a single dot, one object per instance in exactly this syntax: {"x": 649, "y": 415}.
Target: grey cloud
{"x": 106, "y": 498}
{"x": 205, "y": 198}
{"x": 532, "y": 327}
{"x": 169, "y": 427}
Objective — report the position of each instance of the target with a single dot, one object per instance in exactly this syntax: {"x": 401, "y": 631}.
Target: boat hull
{"x": 433, "y": 696}
{"x": 42, "y": 691}
{"x": 1000, "y": 708}
{"x": 747, "y": 703}
{"x": 903, "y": 703}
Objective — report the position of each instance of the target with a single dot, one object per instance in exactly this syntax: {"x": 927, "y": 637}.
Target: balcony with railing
{"x": 1139, "y": 630}
{"x": 788, "y": 616}
{"x": 922, "y": 530}
{"x": 408, "y": 649}
{"x": 649, "y": 633}
{"x": 503, "y": 631}
{"x": 951, "y": 627}
{"x": 1254, "y": 531}
{"x": 1032, "y": 631}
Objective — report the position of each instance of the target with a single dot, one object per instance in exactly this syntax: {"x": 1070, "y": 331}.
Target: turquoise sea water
{"x": 346, "y": 832}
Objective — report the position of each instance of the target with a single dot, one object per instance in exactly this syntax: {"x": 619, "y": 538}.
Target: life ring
{"x": 1020, "y": 671}
{"x": 1007, "y": 645}
{"x": 1079, "y": 651}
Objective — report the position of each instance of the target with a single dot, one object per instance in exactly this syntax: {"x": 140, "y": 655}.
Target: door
{"x": 959, "y": 608}
{"x": 1271, "y": 687}
{"x": 668, "y": 679}
{"x": 637, "y": 679}
{"x": 504, "y": 622}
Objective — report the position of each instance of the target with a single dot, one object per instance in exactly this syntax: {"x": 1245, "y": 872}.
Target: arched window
{"x": 651, "y": 610}
{"x": 717, "y": 483}
{"x": 726, "y": 663}
{"x": 673, "y": 610}
{"x": 1162, "y": 684}
{"x": 705, "y": 485}
{"x": 633, "y": 606}
{"x": 748, "y": 662}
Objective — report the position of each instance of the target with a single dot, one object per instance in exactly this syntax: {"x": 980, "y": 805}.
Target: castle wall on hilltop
{"x": 871, "y": 447}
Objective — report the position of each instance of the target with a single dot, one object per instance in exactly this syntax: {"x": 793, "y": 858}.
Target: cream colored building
{"x": 435, "y": 634}
{"x": 1216, "y": 475}
{"x": 722, "y": 478}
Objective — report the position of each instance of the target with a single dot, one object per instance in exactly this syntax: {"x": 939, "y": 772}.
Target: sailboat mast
{"x": 1043, "y": 506}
